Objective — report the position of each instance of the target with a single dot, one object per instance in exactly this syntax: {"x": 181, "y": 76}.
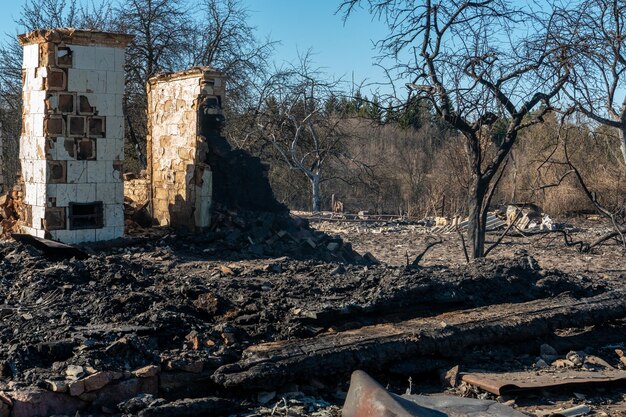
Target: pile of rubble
{"x": 136, "y": 328}
{"x": 11, "y": 207}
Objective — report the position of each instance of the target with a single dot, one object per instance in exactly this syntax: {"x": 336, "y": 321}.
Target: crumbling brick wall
{"x": 137, "y": 190}
{"x": 181, "y": 179}
{"x": 71, "y": 146}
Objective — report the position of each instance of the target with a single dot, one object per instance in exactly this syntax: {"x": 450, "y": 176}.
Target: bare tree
{"x": 597, "y": 86}
{"x": 160, "y": 28}
{"x": 37, "y": 14}
{"x": 477, "y": 62}
{"x": 224, "y": 39}
{"x": 291, "y": 116}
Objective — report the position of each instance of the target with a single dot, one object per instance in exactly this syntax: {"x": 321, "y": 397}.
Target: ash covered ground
{"x": 176, "y": 308}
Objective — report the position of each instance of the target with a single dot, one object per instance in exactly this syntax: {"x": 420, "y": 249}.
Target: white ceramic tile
{"x": 77, "y": 80}
{"x": 66, "y": 193}
{"x": 31, "y": 56}
{"x": 105, "y": 192}
{"x": 76, "y": 172}
{"x": 85, "y": 193}
{"x": 83, "y": 57}
{"x": 96, "y": 171}
{"x": 105, "y": 58}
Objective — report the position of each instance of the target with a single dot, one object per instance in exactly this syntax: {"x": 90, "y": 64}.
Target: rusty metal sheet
{"x": 367, "y": 398}
{"x": 502, "y": 383}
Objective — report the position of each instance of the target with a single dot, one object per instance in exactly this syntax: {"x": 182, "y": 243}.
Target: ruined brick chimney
{"x": 72, "y": 141}
{"x": 182, "y": 108}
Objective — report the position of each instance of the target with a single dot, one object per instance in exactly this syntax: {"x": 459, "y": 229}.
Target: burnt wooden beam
{"x": 445, "y": 335}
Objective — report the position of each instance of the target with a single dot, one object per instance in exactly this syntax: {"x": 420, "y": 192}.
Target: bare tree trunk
{"x": 476, "y": 227}
{"x": 514, "y": 180}
{"x": 622, "y": 137}
{"x": 315, "y": 192}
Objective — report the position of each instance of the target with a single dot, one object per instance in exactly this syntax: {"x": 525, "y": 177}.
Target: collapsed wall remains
{"x": 181, "y": 181}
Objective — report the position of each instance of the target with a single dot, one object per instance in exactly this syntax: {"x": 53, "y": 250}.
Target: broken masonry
{"x": 72, "y": 141}
{"x": 180, "y": 177}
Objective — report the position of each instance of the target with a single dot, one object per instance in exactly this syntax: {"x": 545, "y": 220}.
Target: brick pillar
{"x": 179, "y": 105}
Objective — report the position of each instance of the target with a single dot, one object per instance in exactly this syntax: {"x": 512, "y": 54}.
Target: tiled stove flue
{"x": 72, "y": 141}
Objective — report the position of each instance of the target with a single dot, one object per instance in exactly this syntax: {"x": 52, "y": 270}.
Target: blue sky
{"x": 344, "y": 51}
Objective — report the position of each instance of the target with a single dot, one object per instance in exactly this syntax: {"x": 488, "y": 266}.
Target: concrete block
{"x": 51, "y": 194}
{"x": 84, "y": 57}
{"x": 66, "y": 103}
{"x": 64, "y": 57}
{"x": 86, "y": 149}
{"x": 65, "y": 149}
{"x": 77, "y": 80}
{"x": 31, "y": 56}
{"x": 76, "y": 172}
{"x": 55, "y": 79}
{"x": 92, "y": 98}
{"x": 85, "y": 193}
{"x": 76, "y": 126}
{"x": 54, "y": 126}
{"x": 105, "y": 58}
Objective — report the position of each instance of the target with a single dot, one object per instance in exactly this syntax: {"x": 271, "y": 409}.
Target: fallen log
{"x": 446, "y": 335}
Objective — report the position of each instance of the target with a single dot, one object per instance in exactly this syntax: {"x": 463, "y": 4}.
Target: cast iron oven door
{"x": 86, "y": 215}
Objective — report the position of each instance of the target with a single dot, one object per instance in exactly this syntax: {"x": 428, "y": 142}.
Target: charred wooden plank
{"x": 374, "y": 347}
{"x": 51, "y": 248}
